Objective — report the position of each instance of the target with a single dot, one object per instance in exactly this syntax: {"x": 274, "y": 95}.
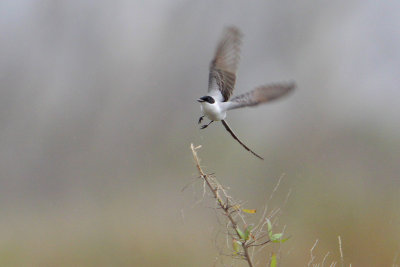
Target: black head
{"x": 207, "y": 99}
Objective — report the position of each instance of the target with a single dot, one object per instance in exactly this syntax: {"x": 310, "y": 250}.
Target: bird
{"x": 221, "y": 83}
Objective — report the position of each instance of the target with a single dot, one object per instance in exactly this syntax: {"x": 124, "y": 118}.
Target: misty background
{"x": 98, "y": 110}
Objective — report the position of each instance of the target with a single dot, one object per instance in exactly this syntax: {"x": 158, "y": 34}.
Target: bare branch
{"x": 224, "y": 202}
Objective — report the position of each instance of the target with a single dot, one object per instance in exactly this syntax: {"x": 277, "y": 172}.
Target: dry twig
{"x": 228, "y": 207}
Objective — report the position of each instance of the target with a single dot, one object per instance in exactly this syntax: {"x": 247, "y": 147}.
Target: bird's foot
{"x": 205, "y": 125}
{"x": 200, "y": 119}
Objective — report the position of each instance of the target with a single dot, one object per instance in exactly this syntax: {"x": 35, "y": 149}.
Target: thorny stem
{"x": 224, "y": 206}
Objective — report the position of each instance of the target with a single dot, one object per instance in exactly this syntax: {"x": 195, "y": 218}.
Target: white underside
{"x": 214, "y": 112}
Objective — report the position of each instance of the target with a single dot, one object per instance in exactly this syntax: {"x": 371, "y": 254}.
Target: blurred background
{"x": 98, "y": 109}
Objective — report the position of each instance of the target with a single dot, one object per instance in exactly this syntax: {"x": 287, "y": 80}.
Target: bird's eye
{"x": 210, "y": 100}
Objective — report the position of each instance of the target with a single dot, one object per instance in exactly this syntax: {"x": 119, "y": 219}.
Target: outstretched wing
{"x": 237, "y": 139}
{"x": 260, "y": 95}
{"x": 223, "y": 67}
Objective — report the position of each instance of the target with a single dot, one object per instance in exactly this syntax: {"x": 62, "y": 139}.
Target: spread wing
{"x": 223, "y": 67}
{"x": 260, "y": 95}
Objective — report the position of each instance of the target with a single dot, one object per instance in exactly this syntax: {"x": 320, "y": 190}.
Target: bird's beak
{"x": 200, "y": 100}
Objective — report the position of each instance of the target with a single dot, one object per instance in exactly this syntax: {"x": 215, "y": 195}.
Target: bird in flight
{"x": 221, "y": 83}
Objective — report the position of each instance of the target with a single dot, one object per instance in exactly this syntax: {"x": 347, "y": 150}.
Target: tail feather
{"x": 237, "y": 139}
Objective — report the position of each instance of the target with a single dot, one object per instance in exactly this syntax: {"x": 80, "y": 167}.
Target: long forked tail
{"x": 237, "y": 139}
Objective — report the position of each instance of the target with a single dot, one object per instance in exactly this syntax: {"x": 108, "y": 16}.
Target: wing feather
{"x": 224, "y": 65}
{"x": 260, "y": 95}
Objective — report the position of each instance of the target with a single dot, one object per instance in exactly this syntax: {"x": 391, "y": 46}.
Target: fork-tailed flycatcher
{"x": 221, "y": 83}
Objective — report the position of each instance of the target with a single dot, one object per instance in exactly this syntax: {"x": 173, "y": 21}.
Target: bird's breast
{"x": 213, "y": 111}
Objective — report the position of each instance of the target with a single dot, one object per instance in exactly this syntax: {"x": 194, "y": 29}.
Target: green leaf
{"x": 251, "y": 211}
{"x": 276, "y": 236}
{"x": 236, "y": 245}
{"x": 241, "y": 234}
{"x": 247, "y": 232}
{"x": 269, "y": 227}
{"x": 273, "y": 260}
